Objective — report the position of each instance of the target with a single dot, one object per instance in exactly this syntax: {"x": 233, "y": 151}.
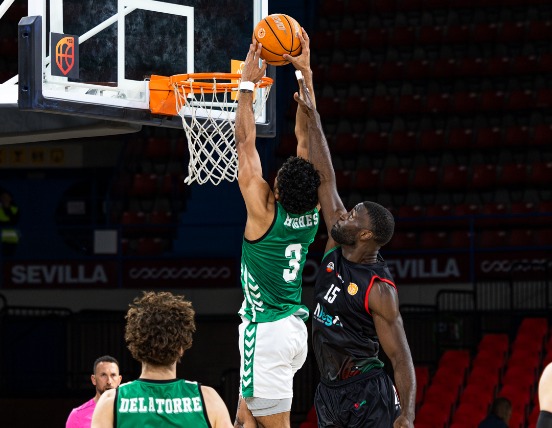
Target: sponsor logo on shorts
{"x": 321, "y": 315}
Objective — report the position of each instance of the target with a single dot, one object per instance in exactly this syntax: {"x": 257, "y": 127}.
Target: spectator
{"x": 9, "y": 216}
{"x": 501, "y": 411}
{"x": 106, "y": 376}
{"x": 159, "y": 329}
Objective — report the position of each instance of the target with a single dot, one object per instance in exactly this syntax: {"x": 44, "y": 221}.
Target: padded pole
{"x": 30, "y": 61}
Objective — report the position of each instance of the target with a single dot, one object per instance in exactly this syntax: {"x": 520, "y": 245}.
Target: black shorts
{"x": 368, "y": 400}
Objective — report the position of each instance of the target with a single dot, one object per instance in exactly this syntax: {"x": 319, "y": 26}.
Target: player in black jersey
{"x": 356, "y": 310}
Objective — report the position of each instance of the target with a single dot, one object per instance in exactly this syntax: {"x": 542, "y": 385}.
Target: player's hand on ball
{"x": 251, "y": 72}
{"x": 302, "y": 61}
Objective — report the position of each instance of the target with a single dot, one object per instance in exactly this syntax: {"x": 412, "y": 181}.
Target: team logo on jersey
{"x": 330, "y": 267}
{"x": 352, "y": 289}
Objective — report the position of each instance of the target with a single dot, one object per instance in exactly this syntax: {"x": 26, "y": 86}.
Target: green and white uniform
{"x": 154, "y": 403}
{"x": 271, "y": 277}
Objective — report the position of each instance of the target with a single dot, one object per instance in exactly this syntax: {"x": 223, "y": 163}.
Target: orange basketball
{"x": 278, "y": 35}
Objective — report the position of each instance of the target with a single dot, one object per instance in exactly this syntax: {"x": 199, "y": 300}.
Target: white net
{"x": 208, "y": 117}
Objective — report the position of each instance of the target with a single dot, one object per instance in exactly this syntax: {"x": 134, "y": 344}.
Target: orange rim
{"x": 211, "y": 82}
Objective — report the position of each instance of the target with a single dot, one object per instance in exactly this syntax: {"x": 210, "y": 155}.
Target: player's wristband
{"x": 298, "y": 74}
{"x": 246, "y": 86}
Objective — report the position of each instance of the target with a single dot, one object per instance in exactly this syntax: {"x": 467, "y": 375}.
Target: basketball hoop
{"x": 207, "y": 104}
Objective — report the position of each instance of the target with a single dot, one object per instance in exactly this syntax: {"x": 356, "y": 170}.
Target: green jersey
{"x": 272, "y": 267}
{"x": 167, "y": 403}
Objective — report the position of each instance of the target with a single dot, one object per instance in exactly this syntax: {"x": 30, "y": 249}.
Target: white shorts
{"x": 271, "y": 353}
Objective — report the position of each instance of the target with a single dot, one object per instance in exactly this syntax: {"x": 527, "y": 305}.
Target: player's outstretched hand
{"x": 302, "y": 61}
{"x": 251, "y": 71}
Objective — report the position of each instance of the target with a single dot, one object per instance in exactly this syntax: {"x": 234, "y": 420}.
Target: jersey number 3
{"x": 293, "y": 252}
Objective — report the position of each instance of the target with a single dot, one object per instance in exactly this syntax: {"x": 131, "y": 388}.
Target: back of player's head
{"x": 159, "y": 328}
{"x": 501, "y": 407}
{"x": 298, "y": 183}
{"x": 104, "y": 359}
{"x": 383, "y": 223}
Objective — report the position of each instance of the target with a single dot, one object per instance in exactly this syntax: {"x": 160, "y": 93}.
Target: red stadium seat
{"x": 410, "y": 211}
{"x": 403, "y": 36}
{"x": 396, "y": 179}
{"x": 488, "y": 138}
{"x": 540, "y": 174}
{"x": 461, "y": 139}
{"x": 356, "y": 108}
{"x": 525, "y": 64}
{"x": 542, "y": 135}
{"x": 455, "y": 177}
{"x": 382, "y": 105}
{"x": 521, "y": 237}
{"x": 493, "y": 238}
{"x": 367, "y": 179}
{"x": 144, "y": 185}
{"x": 460, "y": 239}
{"x": 457, "y": 33}
{"x": 374, "y": 142}
{"x": 539, "y": 30}
{"x": 481, "y": 397}
{"x": 498, "y": 66}
{"x": 375, "y": 37}
{"x": 433, "y": 239}
{"x": 438, "y": 102}
{"x": 511, "y": 31}
{"x": 430, "y": 34}
{"x": 544, "y": 97}
{"x": 521, "y": 100}
{"x": 391, "y": 70}
{"x": 150, "y": 246}
{"x": 512, "y": 174}
{"x": 496, "y": 342}
{"x": 470, "y": 413}
{"x": 409, "y": 104}
{"x": 402, "y": 142}
{"x": 345, "y": 143}
{"x": 484, "y": 32}
{"x": 465, "y": 102}
{"x": 365, "y": 72}
{"x": 492, "y": 100}
{"x": 404, "y": 241}
{"x": 157, "y": 148}
{"x": 425, "y": 177}
{"x": 472, "y": 67}
{"x": 432, "y": 140}
{"x": 418, "y": 69}
{"x": 483, "y": 176}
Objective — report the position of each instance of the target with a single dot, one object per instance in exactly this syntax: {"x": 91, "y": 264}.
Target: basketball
{"x": 278, "y": 35}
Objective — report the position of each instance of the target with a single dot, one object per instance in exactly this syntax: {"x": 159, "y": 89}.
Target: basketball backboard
{"x": 93, "y": 58}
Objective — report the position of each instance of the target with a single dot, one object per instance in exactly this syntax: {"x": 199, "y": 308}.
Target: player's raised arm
{"x": 255, "y": 190}
{"x": 302, "y": 64}
{"x": 319, "y": 153}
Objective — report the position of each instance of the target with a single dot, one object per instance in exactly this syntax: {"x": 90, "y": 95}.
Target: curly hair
{"x": 297, "y": 184}
{"x": 382, "y": 220}
{"x": 159, "y": 328}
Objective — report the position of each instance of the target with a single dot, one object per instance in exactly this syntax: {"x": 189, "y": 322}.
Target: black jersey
{"x": 344, "y": 336}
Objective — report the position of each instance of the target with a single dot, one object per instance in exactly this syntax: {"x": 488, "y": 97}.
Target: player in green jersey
{"x": 280, "y": 226}
{"x": 158, "y": 330}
